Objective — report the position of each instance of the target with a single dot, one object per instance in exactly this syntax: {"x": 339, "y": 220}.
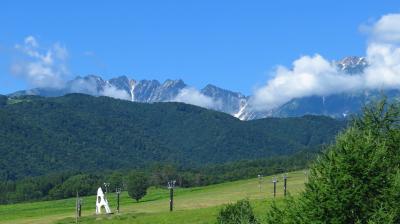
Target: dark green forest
{"x": 83, "y": 133}
{"x": 52, "y": 147}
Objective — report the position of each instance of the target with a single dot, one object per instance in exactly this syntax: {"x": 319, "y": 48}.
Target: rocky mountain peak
{"x": 173, "y": 83}
{"x": 352, "y": 64}
{"x": 121, "y": 82}
{"x": 212, "y": 90}
{"x": 234, "y": 103}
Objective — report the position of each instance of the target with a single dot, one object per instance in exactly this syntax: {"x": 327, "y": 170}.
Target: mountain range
{"x": 230, "y": 102}
{"x": 39, "y": 135}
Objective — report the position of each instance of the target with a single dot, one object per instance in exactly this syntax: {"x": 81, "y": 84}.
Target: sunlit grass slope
{"x": 192, "y": 205}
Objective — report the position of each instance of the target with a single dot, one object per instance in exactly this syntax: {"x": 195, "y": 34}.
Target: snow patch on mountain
{"x": 212, "y": 97}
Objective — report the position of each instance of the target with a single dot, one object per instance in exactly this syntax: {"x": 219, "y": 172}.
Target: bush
{"x": 239, "y": 213}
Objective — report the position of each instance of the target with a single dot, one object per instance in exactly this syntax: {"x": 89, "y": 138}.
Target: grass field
{"x": 192, "y": 205}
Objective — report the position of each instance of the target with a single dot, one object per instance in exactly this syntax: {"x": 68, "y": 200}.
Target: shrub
{"x": 239, "y": 213}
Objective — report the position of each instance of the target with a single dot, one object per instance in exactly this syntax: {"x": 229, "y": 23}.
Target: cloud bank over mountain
{"x": 315, "y": 75}
{"x": 191, "y": 95}
{"x": 47, "y": 67}
{"x": 310, "y": 75}
{"x": 112, "y": 91}
{"x": 41, "y": 67}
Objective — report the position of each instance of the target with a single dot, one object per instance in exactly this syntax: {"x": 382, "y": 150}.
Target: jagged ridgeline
{"x": 80, "y": 132}
{"x": 339, "y": 105}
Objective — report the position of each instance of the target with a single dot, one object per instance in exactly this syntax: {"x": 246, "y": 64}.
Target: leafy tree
{"x": 116, "y": 180}
{"x": 358, "y": 179}
{"x": 239, "y": 213}
{"x": 137, "y": 185}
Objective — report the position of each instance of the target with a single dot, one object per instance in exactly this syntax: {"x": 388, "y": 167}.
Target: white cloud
{"x": 47, "y": 68}
{"x": 41, "y": 67}
{"x": 60, "y": 52}
{"x": 112, "y": 91}
{"x": 193, "y": 96}
{"x": 315, "y": 75}
{"x": 384, "y": 69}
{"x": 92, "y": 86}
{"x": 386, "y": 29}
{"x": 309, "y": 76}
{"x": 86, "y": 86}
{"x": 30, "y": 40}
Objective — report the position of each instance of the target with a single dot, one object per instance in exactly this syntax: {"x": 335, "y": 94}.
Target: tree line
{"x": 66, "y": 184}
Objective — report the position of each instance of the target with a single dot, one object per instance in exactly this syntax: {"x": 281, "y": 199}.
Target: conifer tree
{"x": 357, "y": 180}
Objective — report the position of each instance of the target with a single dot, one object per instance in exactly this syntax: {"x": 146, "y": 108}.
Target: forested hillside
{"x": 81, "y": 132}
{"x": 3, "y": 100}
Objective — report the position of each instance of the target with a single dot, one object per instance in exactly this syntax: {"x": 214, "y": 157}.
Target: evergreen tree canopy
{"x": 357, "y": 180}
{"x": 3, "y": 100}
{"x": 79, "y": 132}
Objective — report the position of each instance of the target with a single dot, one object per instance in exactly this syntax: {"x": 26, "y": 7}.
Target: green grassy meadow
{"x": 192, "y": 205}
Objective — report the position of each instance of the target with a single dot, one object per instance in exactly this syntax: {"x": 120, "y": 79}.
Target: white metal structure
{"x": 101, "y": 201}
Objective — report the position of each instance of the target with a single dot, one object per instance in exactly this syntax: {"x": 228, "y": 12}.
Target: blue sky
{"x": 232, "y": 44}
